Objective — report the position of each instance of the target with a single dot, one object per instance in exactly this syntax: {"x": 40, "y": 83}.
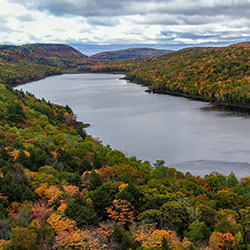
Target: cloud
{"x": 131, "y": 7}
{"x": 82, "y": 7}
{"x": 104, "y": 21}
{"x": 26, "y": 18}
{"x": 130, "y": 21}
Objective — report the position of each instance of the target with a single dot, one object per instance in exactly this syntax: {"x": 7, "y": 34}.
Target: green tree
{"x": 198, "y": 231}
{"x": 232, "y": 181}
{"x": 24, "y": 159}
{"x": 123, "y": 239}
{"x": 102, "y": 198}
{"x": 79, "y": 211}
{"x": 115, "y": 157}
{"x": 175, "y": 216}
{"x": 164, "y": 244}
{"x": 4, "y": 154}
{"x": 95, "y": 180}
{"x": 22, "y": 239}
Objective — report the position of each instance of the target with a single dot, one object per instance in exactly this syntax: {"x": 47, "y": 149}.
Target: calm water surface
{"x": 185, "y": 133}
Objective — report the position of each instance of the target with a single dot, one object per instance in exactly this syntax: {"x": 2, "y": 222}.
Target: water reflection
{"x": 227, "y": 111}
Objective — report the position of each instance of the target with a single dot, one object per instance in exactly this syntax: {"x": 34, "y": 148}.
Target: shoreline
{"x": 173, "y": 165}
{"x": 34, "y": 80}
{"x": 227, "y": 106}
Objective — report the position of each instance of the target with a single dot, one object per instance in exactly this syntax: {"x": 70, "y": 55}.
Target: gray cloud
{"x": 177, "y": 21}
{"x": 104, "y": 21}
{"x": 5, "y": 30}
{"x": 141, "y": 7}
{"x": 26, "y": 18}
{"x": 213, "y": 37}
{"x": 83, "y": 7}
{"x": 3, "y": 27}
{"x": 151, "y": 12}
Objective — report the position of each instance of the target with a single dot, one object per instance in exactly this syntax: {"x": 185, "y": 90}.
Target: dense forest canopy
{"x": 214, "y": 74}
{"x": 132, "y": 53}
{"x": 62, "y": 189}
{"x": 20, "y": 64}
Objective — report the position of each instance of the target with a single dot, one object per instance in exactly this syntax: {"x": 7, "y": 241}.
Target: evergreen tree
{"x": 164, "y": 244}
{"x": 78, "y": 210}
{"x": 4, "y": 154}
{"x": 122, "y": 238}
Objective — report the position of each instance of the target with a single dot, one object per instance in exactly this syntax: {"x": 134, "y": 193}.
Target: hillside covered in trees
{"x": 132, "y": 53}
{"x": 20, "y": 64}
{"x": 212, "y": 74}
{"x": 62, "y": 189}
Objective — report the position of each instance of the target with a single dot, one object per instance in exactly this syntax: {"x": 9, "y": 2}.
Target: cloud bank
{"x": 169, "y": 22}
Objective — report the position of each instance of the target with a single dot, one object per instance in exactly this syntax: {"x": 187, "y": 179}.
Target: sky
{"x": 96, "y": 24}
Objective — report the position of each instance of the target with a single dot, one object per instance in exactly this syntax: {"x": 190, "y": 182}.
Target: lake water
{"x": 187, "y": 134}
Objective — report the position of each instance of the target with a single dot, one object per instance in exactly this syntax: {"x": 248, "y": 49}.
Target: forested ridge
{"x": 62, "y": 189}
{"x": 132, "y": 53}
{"x": 212, "y": 74}
{"x": 21, "y": 64}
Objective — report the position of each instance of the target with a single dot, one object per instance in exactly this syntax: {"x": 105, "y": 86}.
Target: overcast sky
{"x": 169, "y": 22}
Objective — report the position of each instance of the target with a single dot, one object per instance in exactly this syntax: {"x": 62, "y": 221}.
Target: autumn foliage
{"x": 62, "y": 189}
{"x": 122, "y": 212}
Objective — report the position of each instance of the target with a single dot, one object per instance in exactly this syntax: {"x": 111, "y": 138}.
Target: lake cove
{"x": 186, "y": 134}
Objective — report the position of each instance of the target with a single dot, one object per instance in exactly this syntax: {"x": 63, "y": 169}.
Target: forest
{"x": 132, "y": 53}
{"x": 62, "y": 189}
{"x": 214, "y": 74}
{"x": 21, "y": 64}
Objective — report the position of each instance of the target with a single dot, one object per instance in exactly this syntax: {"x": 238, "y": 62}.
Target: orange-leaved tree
{"x": 122, "y": 211}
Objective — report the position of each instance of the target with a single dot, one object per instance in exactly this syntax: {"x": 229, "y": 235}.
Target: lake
{"x": 188, "y": 135}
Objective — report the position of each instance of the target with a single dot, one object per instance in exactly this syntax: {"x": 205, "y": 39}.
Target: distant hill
{"x": 217, "y": 74}
{"x": 20, "y": 64}
{"x": 132, "y": 53}
{"x": 53, "y": 53}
